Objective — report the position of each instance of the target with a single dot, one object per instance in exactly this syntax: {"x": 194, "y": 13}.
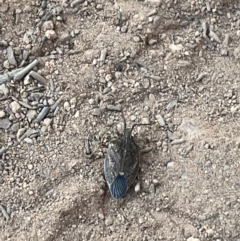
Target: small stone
{"x": 67, "y": 106}
{"x": 193, "y": 239}
{"x": 184, "y": 175}
{"x": 124, "y": 29}
{"x": 30, "y": 192}
{"x": 73, "y": 101}
{"x": 31, "y": 115}
{"x": 15, "y": 107}
{"x": 5, "y": 123}
{"x": 146, "y": 83}
{"x": 160, "y": 120}
{"x": 96, "y": 112}
{"x": 2, "y": 113}
{"x": 109, "y": 221}
{"x": 15, "y": 127}
{"x": 4, "y": 90}
{"x": 10, "y": 56}
{"x": 133, "y": 117}
{"x": 65, "y": 37}
{"x": 28, "y": 140}
{"x": 170, "y": 164}
{"x": 47, "y": 25}
{"x": 6, "y": 64}
{"x": 136, "y": 39}
{"x": 108, "y": 77}
{"x": 152, "y": 41}
{"x": 77, "y": 114}
{"x": 50, "y": 102}
{"x": 145, "y": 120}
{"x": 101, "y": 216}
{"x": 51, "y": 34}
{"x": 137, "y": 187}
{"x": 91, "y": 101}
{"x": 47, "y": 121}
{"x": 27, "y": 80}
{"x": 30, "y": 166}
{"x": 99, "y": 6}
{"x": 141, "y": 220}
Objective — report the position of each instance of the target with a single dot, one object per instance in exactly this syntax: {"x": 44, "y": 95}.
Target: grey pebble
{"x": 184, "y": 175}
{"x": 201, "y": 217}
{"x": 214, "y": 36}
{"x": 124, "y": 29}
{"x": 3, "y": 89}
{"x": 31, "y": 114}
{"x": 188, "y": 149}
{"x": 28, "y": 140}
{"x": 5, "y": 123}
{"x": 154, "y": 77}
{"x": 146, "y": 83}
{"x": 109, "y": 221}
{"x": 2, "y": 114}
{"x": 4, "y": 212}
{"x": 183, "y": 63}
{"x": 96, "y": 112}
{"x": 154, "y": 11}
{"x": 3, "y": 150}
{"x": 76, "y": 2}
{"x": 99, "y": 6}
{"x": 113, "y": 108}
{"x": 15, "y": 127}
{"x": 208, "y": 6}
{"x": 152, "y": 189}
{"x": 184, "y": 23}
{"x": 177, "y": 141}
{"x": 10, "y": 56}
{"x": 103, "y": 55}
{"x": 65, "y": 37}
{"x": 171, "y": 104}
{"x": 160, "y": 120}
{"x": 91, "y": 101}
{"x": 226, "y": 39}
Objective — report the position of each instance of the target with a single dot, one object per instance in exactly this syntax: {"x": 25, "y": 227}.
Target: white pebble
{"x": 137, "y": 187}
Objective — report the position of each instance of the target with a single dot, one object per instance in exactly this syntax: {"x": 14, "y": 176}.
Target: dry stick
{"x": 54, "y": 106}
{"x": 38, "y": 77}
{"x": 76, "y": 2}
{"x": 23, "y": 72}
{"x": 9, "y": 75}
{"x": 42, "y": 114}
{"x": 4, "y": 212}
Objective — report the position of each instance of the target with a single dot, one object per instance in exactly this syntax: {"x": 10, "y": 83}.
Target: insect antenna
{"x": 125, "y": 123}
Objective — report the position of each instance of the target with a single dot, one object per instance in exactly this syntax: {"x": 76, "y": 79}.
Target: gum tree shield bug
{"x": 121, "y": 163}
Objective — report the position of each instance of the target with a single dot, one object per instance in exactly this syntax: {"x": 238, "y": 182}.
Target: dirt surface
{"x": 174, "y": 64}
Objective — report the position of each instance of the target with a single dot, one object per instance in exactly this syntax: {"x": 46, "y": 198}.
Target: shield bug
{"x": 121, "y": 163}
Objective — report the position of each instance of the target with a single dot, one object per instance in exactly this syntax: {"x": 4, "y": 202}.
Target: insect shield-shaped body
{"x": 121, "y": 163}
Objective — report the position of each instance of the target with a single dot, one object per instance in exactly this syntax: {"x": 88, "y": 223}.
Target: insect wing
{"x": 119, "y": 187}
{"x": 132, "y": 162}
{"x": 111, "y": 164}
